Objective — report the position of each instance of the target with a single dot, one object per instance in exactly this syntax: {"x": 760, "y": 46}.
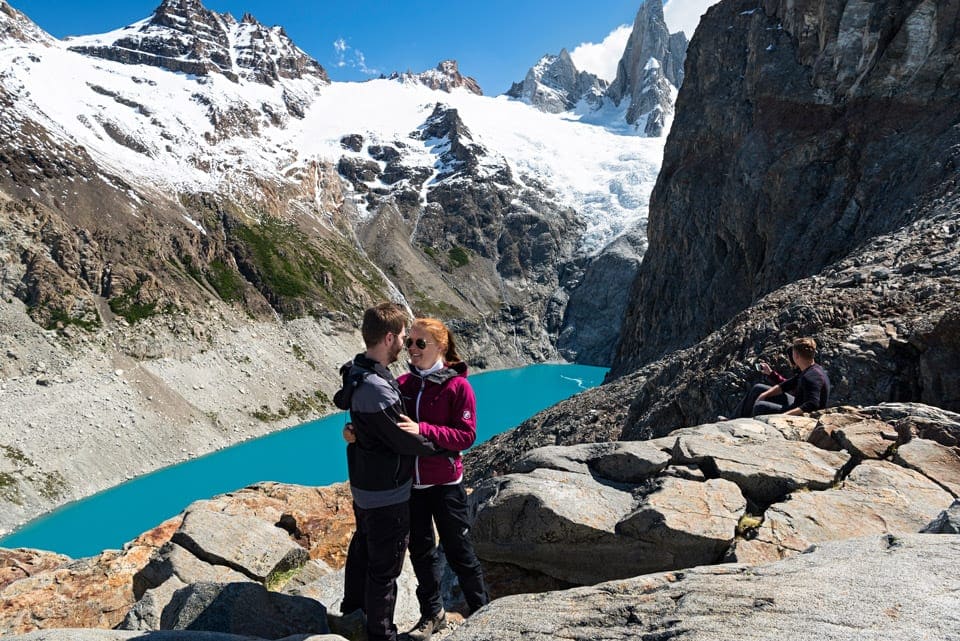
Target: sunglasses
{"x": 420, "y": 343}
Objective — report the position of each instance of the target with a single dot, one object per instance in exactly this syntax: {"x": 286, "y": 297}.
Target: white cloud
{"x": 347, "y": 56}
{"x": 684, "y": 15}
{"x": 601, "y": 59}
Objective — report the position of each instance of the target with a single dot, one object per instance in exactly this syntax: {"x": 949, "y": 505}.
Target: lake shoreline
{"x": 82, "y": 412}
{"x": 314, "y": 434}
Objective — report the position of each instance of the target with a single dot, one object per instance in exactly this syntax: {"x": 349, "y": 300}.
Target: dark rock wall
{"x": 803, "y": 129}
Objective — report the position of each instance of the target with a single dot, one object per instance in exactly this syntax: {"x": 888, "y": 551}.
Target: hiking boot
{"x": 426, "y": 626}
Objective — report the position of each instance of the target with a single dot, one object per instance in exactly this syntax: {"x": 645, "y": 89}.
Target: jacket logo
{"x": 467, "y": 415}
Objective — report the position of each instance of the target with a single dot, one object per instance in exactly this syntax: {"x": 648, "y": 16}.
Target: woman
{"x": 442, "y": 406}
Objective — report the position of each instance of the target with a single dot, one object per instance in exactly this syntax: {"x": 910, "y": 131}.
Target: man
{"x": 809, "y": 389}
{"x": 380, "y": 464}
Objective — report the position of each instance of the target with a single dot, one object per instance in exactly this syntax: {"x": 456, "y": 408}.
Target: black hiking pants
{"x": 445, "y": 505}
{"x": 749, "y": 406}
{"x": 374, "y": 561}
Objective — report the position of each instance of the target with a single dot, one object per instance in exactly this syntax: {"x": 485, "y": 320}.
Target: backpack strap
{"x": 350, "y": 384}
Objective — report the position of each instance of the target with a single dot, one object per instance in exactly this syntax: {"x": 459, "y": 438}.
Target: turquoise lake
{"x": 310, "y": 454}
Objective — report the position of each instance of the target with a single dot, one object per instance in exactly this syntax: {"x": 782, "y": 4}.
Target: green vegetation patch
{"x": 423, "y": 305}
{"x": 748, "y": 525}
{"x": 127, "y": 306}
{"x": 278, "y": 579}
{"x": 293, "y": 270}
{"x": 226, "y": 280}
{"x": 10, "y": 489}
{"x": 50, "y": 485}
{"x": 60, "y": 316}
{"x": 458, "y": 256}
{"x": 300, "y": 404}
{"x": 15, "y": 455}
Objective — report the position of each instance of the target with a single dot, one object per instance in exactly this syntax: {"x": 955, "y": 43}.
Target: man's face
{"x": 397, "y": 345}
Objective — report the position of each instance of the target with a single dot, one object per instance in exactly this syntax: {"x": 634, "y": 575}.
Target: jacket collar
{"x": 443, "y": 374}
{"x": 361, "y": 362}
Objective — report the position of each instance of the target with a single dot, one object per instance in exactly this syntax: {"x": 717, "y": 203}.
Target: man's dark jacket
{"x": 381, "y": 462}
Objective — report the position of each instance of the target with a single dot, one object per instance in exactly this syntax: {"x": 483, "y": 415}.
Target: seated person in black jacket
{"x": 807, "y": 391}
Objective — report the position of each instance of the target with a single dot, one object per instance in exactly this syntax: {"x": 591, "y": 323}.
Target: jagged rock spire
{"x": 650, "y": 38}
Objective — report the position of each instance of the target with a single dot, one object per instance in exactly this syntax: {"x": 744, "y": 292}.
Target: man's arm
{"x": 384, "y": 425}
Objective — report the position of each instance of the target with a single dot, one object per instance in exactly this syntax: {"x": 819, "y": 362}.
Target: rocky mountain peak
{"x": 652, "y": 59}
{"x": 16, "y": 26}
{"x": 445, "y": 77}
{"x": 554, "y": 84}
{"x": 648, "y": 75}
{"x": 185, "y": 36}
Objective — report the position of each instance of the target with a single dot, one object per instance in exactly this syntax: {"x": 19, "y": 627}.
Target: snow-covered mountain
{"x": 228, "y": 164}
{"x": 639, "y": 100}
{"x": 184, "y": 36}
{"x": 446, "y": 77}
{"x": 554, "y": 85}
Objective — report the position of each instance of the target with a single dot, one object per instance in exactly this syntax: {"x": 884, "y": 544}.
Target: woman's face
{"x": 424, "y": 351}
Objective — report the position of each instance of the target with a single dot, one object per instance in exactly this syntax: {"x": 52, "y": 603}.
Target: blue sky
{"x": 495, "y": 41}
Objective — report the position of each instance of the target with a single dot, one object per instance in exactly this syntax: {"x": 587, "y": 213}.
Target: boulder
{"x": 147, "y": 613}
{"x": 793, "y": 428}
{"x": 22, "y": 562}
{"x": 626, "y": 461}
{"x": 318, "y": 518}
{"x": 878, "y": 497}
{"x": 879, "y": 587}
{"x": 937, "y": 462}
{"x": 172, "y": 560}
{"x": 583, "y": 529}
{"x": 243, "y": 608}
{"x": 917, "y": 420}
{"x": 947, "y": 523}
{"x": 758, "y": 459}
{"x": 95, "y": 592}
{"x": 328, "y": 590}
{"x": 862, "y": 437}
{"x": 244, "y": 543}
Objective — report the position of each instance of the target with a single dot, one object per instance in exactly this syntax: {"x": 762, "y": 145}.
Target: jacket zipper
{"x": 416, "y": 467}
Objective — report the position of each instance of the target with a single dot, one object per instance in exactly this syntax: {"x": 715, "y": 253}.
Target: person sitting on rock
{"x": 807, "y": 391}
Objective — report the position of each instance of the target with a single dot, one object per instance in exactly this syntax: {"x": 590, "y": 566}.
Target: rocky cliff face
{"x": 446, "y": 77}
{"x": 798, "y": 138}
{"x": 596, "y": 305}
{"x": 554, "y": 85}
